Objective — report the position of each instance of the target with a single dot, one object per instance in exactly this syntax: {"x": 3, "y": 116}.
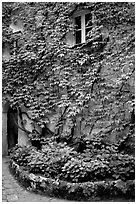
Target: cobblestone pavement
{"x": 12, "y": 191}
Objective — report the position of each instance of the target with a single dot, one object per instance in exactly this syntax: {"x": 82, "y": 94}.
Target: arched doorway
{"x": 12, "y": 129}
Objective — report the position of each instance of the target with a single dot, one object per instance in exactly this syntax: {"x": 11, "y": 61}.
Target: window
{"x": 83, "y": 20}
{"x": 84, "y": 23}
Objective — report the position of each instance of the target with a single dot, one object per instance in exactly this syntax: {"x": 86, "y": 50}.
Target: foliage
{"x": 57, "y": 160}
{"x": 87, "y": 191}
{"x": 44, "y": 74}
{"x": 21, "y": 154}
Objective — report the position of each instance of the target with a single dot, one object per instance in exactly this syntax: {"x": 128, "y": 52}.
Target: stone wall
{"x": 4, "y": 134}
{"x": 109, "y": 72}
{"x": 4, "y": 129}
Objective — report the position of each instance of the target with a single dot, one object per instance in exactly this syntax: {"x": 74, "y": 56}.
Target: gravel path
{"x": 12, "y": 191}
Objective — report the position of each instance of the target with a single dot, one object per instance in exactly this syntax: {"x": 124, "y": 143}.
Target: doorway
{"x": 12, "y": 129}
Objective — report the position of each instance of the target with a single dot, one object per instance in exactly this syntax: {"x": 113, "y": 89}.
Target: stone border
{"x": 88, "y": 191}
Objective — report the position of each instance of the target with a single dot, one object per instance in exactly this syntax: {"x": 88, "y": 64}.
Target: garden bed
{"x": 74, "y": 191}
{"x": 77, "y": 191}
{"x": 99, "y": 173}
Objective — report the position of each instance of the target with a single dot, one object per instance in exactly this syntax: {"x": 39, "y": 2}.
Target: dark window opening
{"x": 88, "y": 25}
{"x": 88, "y": 20}
{"x": 78, "y": 22}
{"x": 78, "y": 29}
{"x": 78, "y": 37}
{"x": 87, "y": 33}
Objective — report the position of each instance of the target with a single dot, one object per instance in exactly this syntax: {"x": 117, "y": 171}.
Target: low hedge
{"x": 101, "y": 170}
{"x": 58, "y": 160}
{"x": 87, "y": 191}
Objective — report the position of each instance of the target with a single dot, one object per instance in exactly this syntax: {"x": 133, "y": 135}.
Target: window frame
{"x": 82, "y": 13}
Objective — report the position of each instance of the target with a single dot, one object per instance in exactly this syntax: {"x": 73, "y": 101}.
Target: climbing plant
{"x": 92, "y": 81}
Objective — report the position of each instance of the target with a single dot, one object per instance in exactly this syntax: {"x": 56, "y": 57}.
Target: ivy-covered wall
{"x": 71, "y": 91}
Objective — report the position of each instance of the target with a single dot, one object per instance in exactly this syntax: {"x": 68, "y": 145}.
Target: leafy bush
{"x": 50, "y": 160}
{"x": 22, "y": 154}
{"x": 58, "y": 160}
{"x": 88, "y": 191}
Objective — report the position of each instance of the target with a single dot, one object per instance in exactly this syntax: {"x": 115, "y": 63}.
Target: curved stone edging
{"x": 74, "y": 191}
